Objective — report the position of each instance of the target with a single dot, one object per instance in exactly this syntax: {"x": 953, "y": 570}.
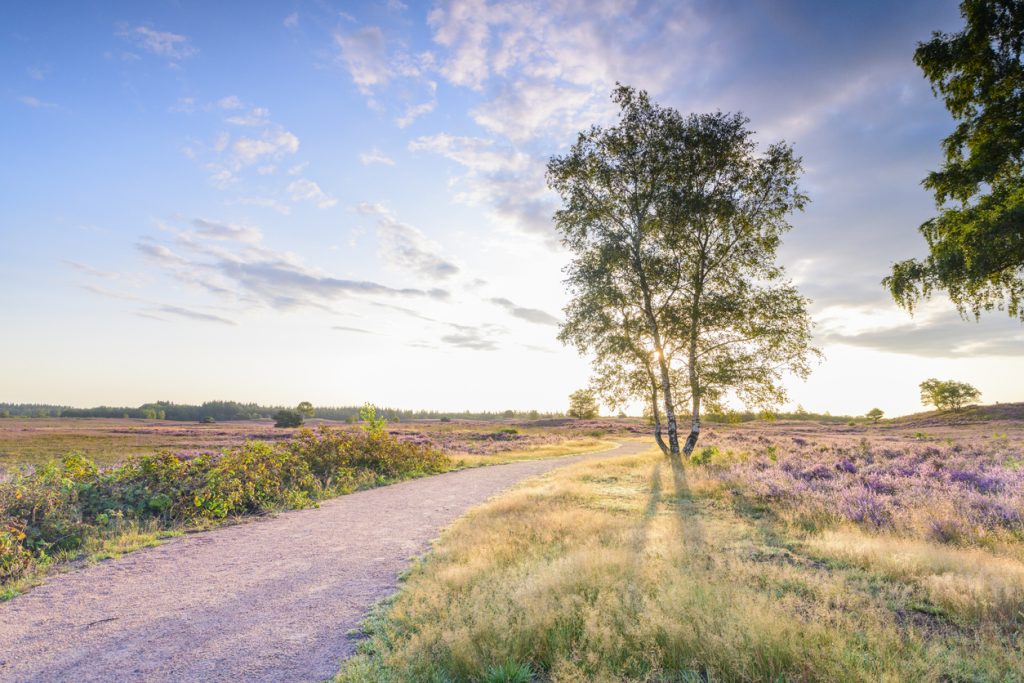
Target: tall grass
{"x": 619, "y": 570}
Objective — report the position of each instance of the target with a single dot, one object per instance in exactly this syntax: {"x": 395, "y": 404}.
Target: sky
{"x": 343, "y": 202}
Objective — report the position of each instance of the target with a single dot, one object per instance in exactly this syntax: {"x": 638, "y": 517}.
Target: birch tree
{"x": 673, "y": 223}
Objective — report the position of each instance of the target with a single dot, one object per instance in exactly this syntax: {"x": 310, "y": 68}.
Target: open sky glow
{"x": 343, "y": 202}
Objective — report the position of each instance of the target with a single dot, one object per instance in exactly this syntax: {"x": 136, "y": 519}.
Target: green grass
{"x": 629, "y": 569}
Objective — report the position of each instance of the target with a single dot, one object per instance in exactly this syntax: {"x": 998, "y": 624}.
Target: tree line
{"x": 224, "y": 411}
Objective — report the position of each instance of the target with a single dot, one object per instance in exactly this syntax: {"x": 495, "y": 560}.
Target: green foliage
{"x": 875, "y": 414}
{"x": 673, "y": 223}
{"x": 207, "y": 420}
{"x": 976, "y": 250}
{"x": 373, "y": 425}
{"x": 583, "y": 404}
{"x": 306, "y": 408}
{"x": 287, "y": 418}
{"x": 704, "y": 455}
{"x": 62, "y": 504}
{"x": 948, "y": 394}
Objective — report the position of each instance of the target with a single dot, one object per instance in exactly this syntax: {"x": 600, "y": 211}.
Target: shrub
{"x": 60, "y": 505}
{"x": 287, "y": 418}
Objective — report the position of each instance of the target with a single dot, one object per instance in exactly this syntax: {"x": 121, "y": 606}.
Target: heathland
{"x": 780, "y": 550}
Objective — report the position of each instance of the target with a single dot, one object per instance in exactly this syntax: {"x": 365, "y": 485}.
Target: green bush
{"x": 61, "y": 504}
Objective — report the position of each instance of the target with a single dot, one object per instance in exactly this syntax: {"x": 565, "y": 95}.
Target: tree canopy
{"x": 948, "y": 394}
{"x": 582, "y": 404}
{"x": 673, "y": 223}
{"x": 976, "y": 243}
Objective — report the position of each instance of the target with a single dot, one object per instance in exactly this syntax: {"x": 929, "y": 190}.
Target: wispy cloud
{"x": 532, "y": 315}
{"x": 226, "y": 231}
{"x": 194, "y": 315}
{"x": 363, "y": 54}
{"x": 357, "y": 330}
{"x": 291, "y": 21}
{"x": 405, "y": 248}
{"x": 245, "y": 271}
{"x": 172, "y": 46}
{"x": 375, "y": 156}
{"x": 303, "y": 190}
{"x": 35, "y": 102}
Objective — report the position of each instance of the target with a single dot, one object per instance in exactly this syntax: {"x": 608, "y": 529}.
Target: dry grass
{"x": 537, "y": 452}
{"x": 616, "y": 570}
{"x": 965, "y": 582}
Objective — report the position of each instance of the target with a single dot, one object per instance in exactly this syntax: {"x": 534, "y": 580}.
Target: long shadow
{"x": 690, "y": 528}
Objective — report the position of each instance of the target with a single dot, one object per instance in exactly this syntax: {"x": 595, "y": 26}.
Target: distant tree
{"x": 534, "y": 415}
{"x": 209, "y": 420}
{"x": 287, "y": 418}
{"x": 875, "y": 414}
{"x": 673, "y": 224}
{"x": 582, "y": 404}
{"x": 5, "y": 413}
{"x": 372, "y": 424}
{"x": 509, "y": 413}
{"x": 976, "y": 243}
{"x": 306, "y": 409}
{"x": 948, "y": 394}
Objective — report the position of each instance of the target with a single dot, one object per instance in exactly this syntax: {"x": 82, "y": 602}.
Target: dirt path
{"x": 266, "y": 601}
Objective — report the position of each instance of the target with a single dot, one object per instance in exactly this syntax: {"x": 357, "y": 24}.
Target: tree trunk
{"x": 670, "y": 412}
{"x": 657, "y": 417}
{"x": 691, "y": 440}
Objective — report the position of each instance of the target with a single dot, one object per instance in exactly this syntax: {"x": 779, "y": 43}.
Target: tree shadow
{"x": 690, "y": 528}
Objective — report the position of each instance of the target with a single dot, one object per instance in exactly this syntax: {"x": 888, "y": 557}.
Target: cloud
{"x": 291, "y": 21}
{"x": 248, "y": 272}
{"x": 357, "y": 330}
{"x": 194, "y": 315}
{"x": 472, "y": 338}
{"x": 226, "y": 231}
{"x": 532, "y": 315}
{"x": 947, "y": 336}
{"x": 258, "y": 116}
{"x": 303, "y": 190}
{"x": 413, "y": 112}
{"x": 265, "y": 202}
{"x": 364, "y": 56}
{"x": 375, "y": 156}
{"x": 230, "y": 102}
{"x": 35, "y": 102}
{"x": 507, "y": 180}
{"x": 272, "y": 144}
{"x": 89, "y": 270}
{"x": 161, "y": 43}
{"x": 405, "y": 248}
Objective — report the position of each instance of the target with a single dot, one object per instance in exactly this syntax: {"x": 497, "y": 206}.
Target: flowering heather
{"x": 948, "y": 492}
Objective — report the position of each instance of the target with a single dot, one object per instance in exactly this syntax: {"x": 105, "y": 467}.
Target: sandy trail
{"x": 270, "y": 600}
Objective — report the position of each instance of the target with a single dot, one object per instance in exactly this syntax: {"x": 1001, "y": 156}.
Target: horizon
{"x": 348, "y": 206}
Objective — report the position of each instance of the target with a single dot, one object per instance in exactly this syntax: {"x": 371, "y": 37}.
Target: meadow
{"x": 780, "y": 551}
{"x": 77, "y": 490}
{"x": 109, "y": 441}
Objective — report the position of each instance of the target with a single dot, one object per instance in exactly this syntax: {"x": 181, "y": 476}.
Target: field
{"x": 782, "y": 551}
{"x": 33, "y": 441}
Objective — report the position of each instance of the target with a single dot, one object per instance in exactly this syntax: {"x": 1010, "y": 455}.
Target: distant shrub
{"x": 508, "y": 430}
{"x": 61, "y": 504}
{"x": 207, "y": 420}
{"x": 704, "y": 455}
{"x": 446, "y": 419}
{"x": 287, "y": 418}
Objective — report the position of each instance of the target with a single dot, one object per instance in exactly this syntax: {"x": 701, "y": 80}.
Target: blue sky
{"x": 342, "y": 202}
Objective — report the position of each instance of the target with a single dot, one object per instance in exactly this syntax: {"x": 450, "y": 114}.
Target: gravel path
{"x": 270, "y": 600}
